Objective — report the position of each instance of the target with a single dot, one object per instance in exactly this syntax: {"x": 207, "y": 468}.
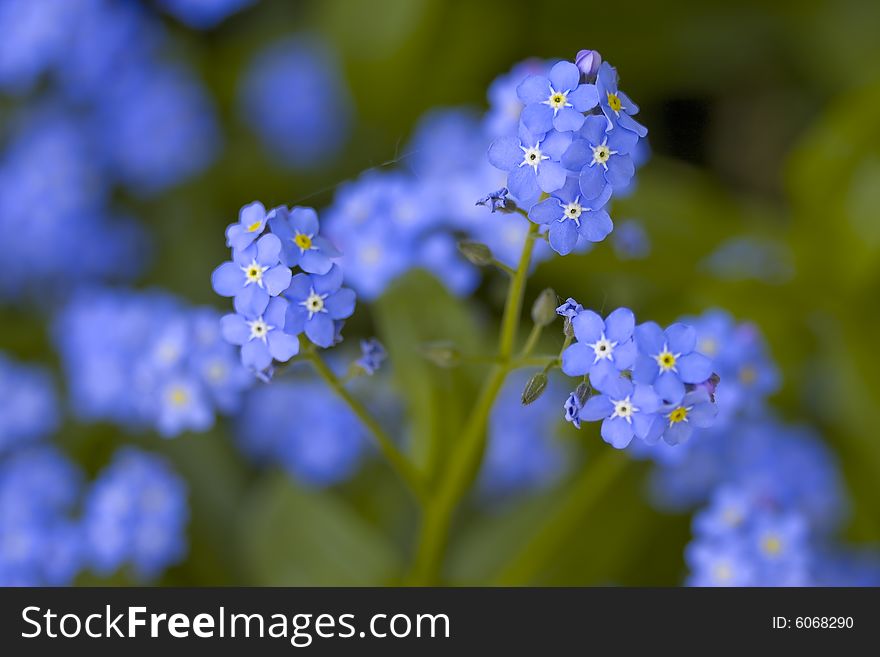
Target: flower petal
{"x": 227, "y": 279}
{"x": 588, "y": 326}
{"x": 577, "y": 359}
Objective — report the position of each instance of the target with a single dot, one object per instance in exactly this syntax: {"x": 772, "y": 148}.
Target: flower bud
{"x": 534, "y": 388}
{"x": 442, "y": 354}
{"x": 568, "y": 329}
{"x": 477, "y": 253}
{"x": 588, "y": 61}
{"x": 544, "y": 308}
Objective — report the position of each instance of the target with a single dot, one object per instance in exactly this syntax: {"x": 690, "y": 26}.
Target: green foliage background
{"x": 763, "y": 118}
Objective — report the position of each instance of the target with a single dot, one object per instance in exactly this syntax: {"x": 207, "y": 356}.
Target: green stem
{"x": 531, "y": 340}
{"x": 396, "y": 459}
{"x": 546, "y": 543}
{"x": 465, "y": 460}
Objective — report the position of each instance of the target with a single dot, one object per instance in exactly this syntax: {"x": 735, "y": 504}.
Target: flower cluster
{"x": 650, "y": 383}
{"x": 134, "y": 514}
{"x": 273, "y": 306}
{"x": 146, "y": 360}
{"x": 28, "y": 404}
{"x": 772, "y": 494}
{"x": 573, "y": 148}
{"x": 303, "y": 427}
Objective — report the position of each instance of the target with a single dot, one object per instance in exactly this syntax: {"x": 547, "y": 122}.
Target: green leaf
{"x": 292, "y": 536}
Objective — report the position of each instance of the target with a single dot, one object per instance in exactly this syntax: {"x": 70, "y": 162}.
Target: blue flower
{"x": 720, "y": 564}
{"x": 372, "y": 355}
{"x": 28, "y": 404}
{"x": 626, "y": 409}
{"x": 203, "y": 14}
{"x": 603, "y": 348}
{"x": 570, "y": 216}
{"x": 183, "y": 406}
{"x": 316, "y": 301}
{"x": 261, "y": 335}
{"x": 573, "y": 407}
{"x": 253, "y": 276}
{"x": 294, "y": 97}
{"x": 532, "y": 163}
{"x": 136, "y": 513}
{"x": 496, "y": 200}
{"x": 631, "y": 241}
{"x": 616, "y": 105}
{"x": 668, "y": 359}
{"x": 557, "y": 101}
{"x": 305, "y": 428}
{"x": 694, "y": 411}
{"x": 251, "y": 223}
{"x": 600, "y": 158}
{"x": 300, "y": 242}
{"x": 505, "y": 107}
{"x": 569, "y": 309}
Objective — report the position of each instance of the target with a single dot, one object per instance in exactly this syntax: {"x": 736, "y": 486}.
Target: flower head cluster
{"x": 136, "y": 514}
{"x": 650, "y": 383}
{"x": 28, "y": 404}
{"x": 146, "y": 360}
{"x": 272, "y": 305}
{"x": 303, "y": 427}
{"x": 573, "y": 147}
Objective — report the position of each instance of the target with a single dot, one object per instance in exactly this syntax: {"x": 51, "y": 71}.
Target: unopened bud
{"x": 477, "y": 253}
{"x": 588, "y": 61}
{"x": 544, "y": 308}
{"x": 534, "y": 388}
{"x": 568, "y": 329}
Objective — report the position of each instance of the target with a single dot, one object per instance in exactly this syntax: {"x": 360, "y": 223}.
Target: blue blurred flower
{"x": 40, "y": 543}
{"x": 305, "y": 428}
{"x": 293, "y": 97}
{"x": 316, "y": 302}
{"x": 135, "y": 514}
{"x": 631, "y": 241}
{"x": 203, "y": 14}
{"x": 28, "y": 404}
{"x": 505, "y": 107}
{"x": 261, "y": 335}
{"x": 253, "y": 276}
{"x": 34, "y": 34}
{"x": 373, "y": 354}
{"x": 603, "y": 348}
{"x": 556, "y": 101}
{"x": 301, "y": 245}
{"x": 522, "y": 453}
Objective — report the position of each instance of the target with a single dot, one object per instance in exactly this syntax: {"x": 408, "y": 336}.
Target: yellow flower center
{"x": 772, "y": 545}
{"x": 614, "y": 102}
{"x": 558, "y": 100}
{"x": 303, "y": 241}
{"x": 254, "y": 227}
{"x": 178, "y": 397}
{"x": 666, "y": 361}
{"x": 678, "y": 415}
{"x": 747, "y": 375}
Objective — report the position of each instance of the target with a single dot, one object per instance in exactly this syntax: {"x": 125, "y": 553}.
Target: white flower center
{"x": 573, "y": 211}
{"x": 601, "y": 154}
{"x": 603, "y": 348}
{"x": 253, "y": 273}
{"x": 557, "y": 100}
{"x": 314, "y": 303}
{"x": 259, "y": 329}
{"x": 624, "y": 408}
{"x": 532, "y": 156}
{"x": 371, "y": 254}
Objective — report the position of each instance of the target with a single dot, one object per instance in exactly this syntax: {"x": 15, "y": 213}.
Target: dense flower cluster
{"x": 273, "y": 306}
{"x": 53, "y": 525}
{"x": 649, "y": 383}
{"x": 572, "y": 148}
{"x": 772, "y": 495}
{"x": 145, "y": 360}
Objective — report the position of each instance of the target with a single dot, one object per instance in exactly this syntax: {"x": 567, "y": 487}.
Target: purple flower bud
{"x": 588, "y": 61}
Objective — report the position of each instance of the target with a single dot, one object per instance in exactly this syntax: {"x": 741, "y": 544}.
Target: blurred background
{"x": 132, "y": 132}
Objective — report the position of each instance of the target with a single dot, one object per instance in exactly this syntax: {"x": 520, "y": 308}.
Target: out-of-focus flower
{"x": 203, "y": 14}
{"x": 28, "y": 404}
{"x": 373, "y": 354}
{"x": 135, "y": 514}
